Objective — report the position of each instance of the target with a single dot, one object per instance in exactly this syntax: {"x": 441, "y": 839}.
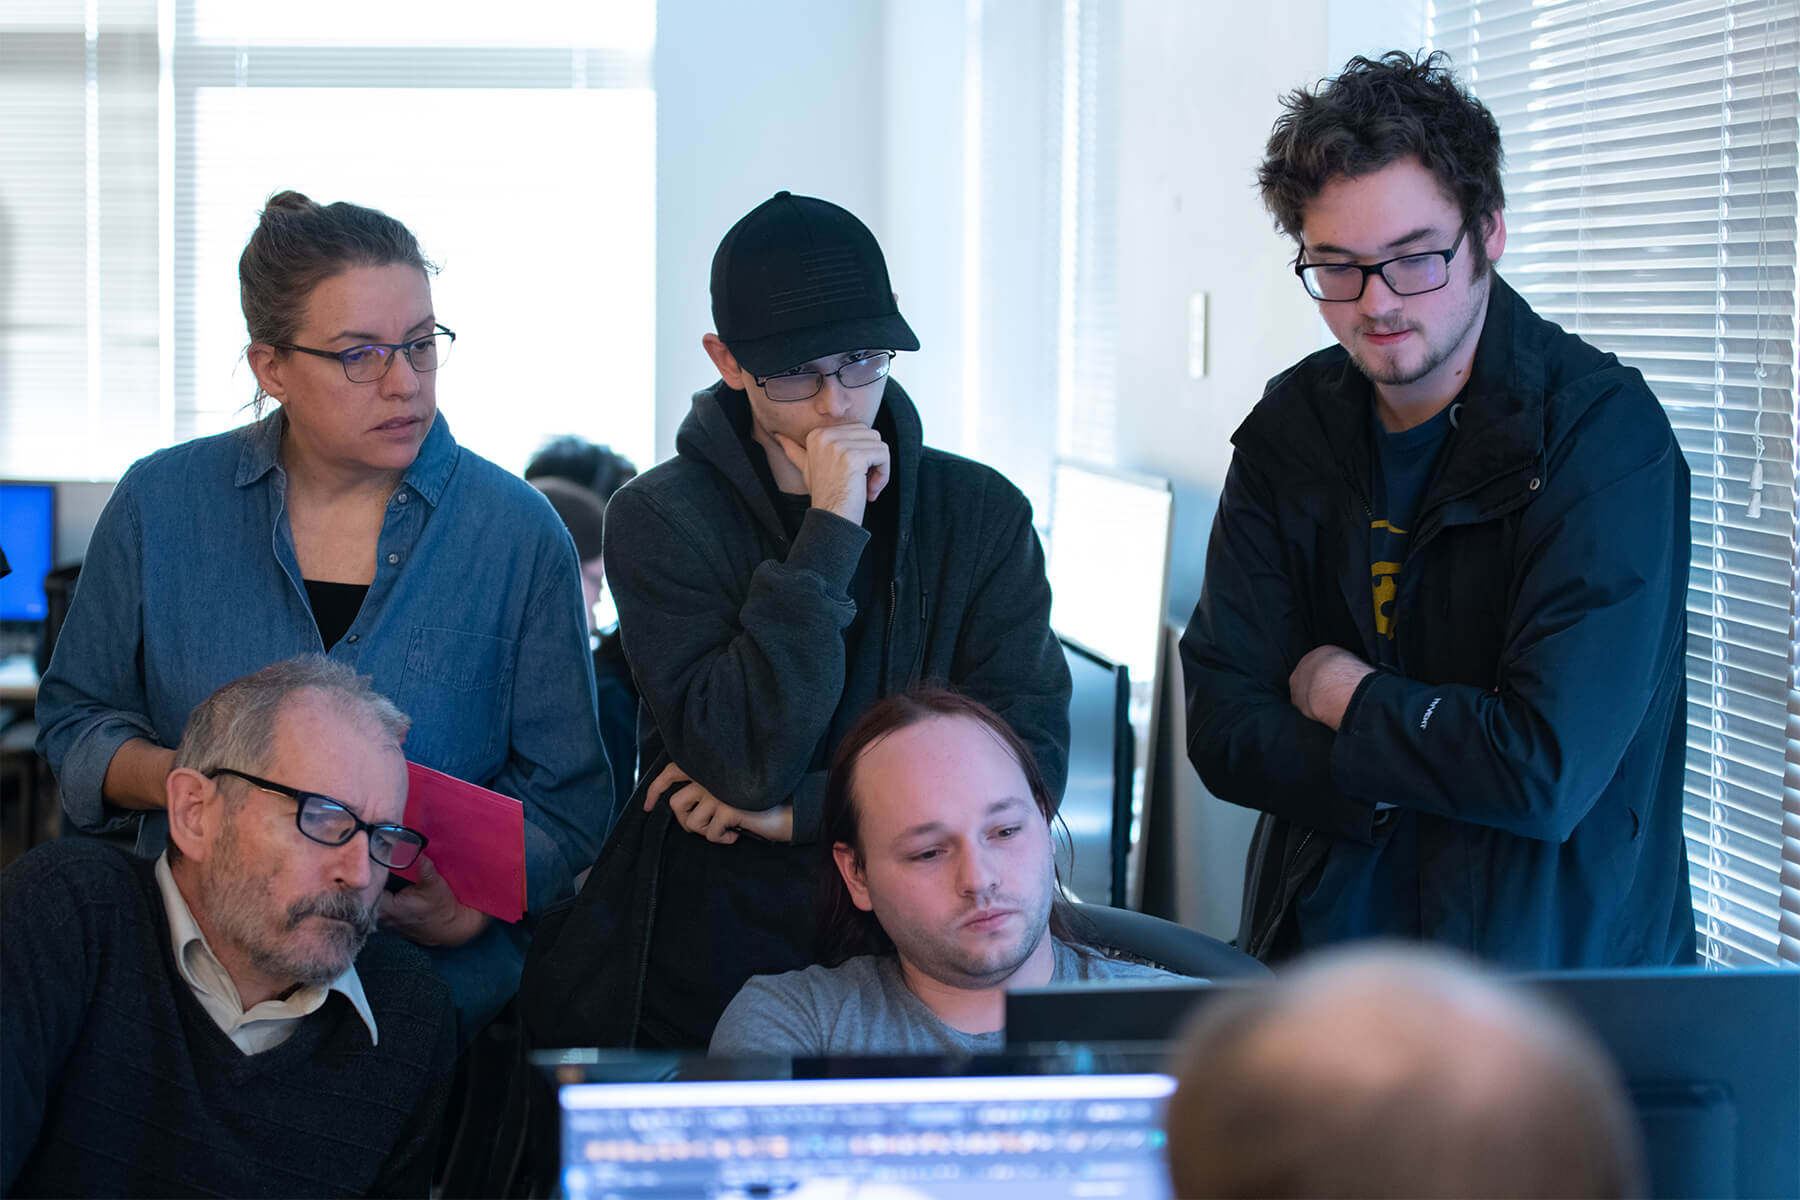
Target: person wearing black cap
{"x": 803, "y": 554}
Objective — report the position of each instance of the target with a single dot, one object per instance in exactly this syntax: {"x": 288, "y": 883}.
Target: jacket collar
{"x": 1500, "y": 425}
{"x": 718, "y": 425}
{"x": 429, "y": 474}
{"x": 1499, "y": 417}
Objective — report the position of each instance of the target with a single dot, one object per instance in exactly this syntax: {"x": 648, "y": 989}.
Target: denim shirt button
{"x": 353, "y": 638}
{"x": 400, "y": 496}
{"x": 392, "y": 559}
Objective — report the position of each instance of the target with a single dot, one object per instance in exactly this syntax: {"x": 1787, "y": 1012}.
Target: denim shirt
{"x": 473, "y": 626}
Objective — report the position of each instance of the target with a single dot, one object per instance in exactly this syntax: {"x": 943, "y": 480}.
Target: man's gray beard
{"x": 351, "y": 922}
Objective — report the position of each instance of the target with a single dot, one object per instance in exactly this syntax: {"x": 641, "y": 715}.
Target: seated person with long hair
{"x": 942, "y": 894}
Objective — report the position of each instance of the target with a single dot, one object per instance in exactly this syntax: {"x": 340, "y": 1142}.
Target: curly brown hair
{"x": 1380, "y": 111}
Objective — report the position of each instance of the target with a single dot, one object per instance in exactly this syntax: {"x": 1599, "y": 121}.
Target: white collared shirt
{"x": 266, "y": 1025}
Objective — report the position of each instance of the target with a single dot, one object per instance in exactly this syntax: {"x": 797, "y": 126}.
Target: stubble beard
{"x": 1392, "y": 373}
{"x": 948, "y": 961}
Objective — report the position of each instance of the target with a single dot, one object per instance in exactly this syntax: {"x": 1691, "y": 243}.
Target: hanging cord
{"x": 1753, "y": 509}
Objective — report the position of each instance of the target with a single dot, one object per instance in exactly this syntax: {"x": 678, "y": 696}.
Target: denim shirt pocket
{"x": 457, "y": 688}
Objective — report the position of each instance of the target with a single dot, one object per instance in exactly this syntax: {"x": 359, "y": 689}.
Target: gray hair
{"x": 235, "y": 726}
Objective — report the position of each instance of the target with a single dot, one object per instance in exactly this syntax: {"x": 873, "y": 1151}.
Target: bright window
{"x": 138, "y": 142}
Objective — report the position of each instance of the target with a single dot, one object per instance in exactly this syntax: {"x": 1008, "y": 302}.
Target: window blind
{"x": 139, "y": 140}
{"x": 1650, "y": 184}
{"x": 78, "y": 250}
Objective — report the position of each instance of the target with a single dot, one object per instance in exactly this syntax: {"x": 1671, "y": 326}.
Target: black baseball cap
{"x": 800, "y": 278}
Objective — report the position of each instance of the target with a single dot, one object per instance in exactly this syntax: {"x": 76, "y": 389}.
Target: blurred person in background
{"x": 558, "y": 471}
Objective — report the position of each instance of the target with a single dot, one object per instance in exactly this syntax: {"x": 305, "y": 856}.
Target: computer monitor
{"x": 1711, "y": 1058}
{"x": 1108, "y": 564}
{"x": 950, "y": 1137}
{"x": 1096, "y": 803}
{"x": 28, "y": 536}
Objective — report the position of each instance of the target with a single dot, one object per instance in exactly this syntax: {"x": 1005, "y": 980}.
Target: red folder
{"x": 477, "y": 840}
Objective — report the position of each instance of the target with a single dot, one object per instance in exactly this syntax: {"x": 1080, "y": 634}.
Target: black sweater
{"x": 115, "y": 1081}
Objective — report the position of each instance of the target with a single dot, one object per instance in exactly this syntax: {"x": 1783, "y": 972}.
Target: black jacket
{"x": 1535, "y": 728}
{"x": 736, "y": 640}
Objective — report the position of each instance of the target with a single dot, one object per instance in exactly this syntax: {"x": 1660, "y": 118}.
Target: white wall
{"x": 1194, "y": 119}
{"x": 924, "y": 99}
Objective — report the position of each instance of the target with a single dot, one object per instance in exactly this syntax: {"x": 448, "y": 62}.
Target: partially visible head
{"x": 272, "y": 901}
{"x": 584, "y": 515}
{"x": 597, "y": 468}
{"x": 938, "y": 824}
{"x": 799, "y": 283}
{"x": 1378, "y": 112}
{"x": 1396, "y": 1071}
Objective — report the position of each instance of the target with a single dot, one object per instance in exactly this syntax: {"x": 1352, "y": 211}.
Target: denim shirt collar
{"x": 429, "y": 474}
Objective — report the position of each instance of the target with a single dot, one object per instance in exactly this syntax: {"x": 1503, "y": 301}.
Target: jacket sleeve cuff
{"x": 547, "y": 876}
{"x": 830, "y": 547}
{"x": 1349, "y": 753}
{"x": 82, "y": 778}
{"x": 809, "y": 808}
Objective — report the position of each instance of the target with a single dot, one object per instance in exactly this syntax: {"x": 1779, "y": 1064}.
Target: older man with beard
{"x": 221, "y": 1020}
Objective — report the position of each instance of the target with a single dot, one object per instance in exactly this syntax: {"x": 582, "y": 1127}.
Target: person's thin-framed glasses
{"x": 329, "y": 823}
{"x": 803, "y": 383}
{"x": 366, "y": 364}
{"x": 1408, "y": 275}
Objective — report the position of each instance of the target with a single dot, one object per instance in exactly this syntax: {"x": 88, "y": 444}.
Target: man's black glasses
{"x": 329, "y": 823}
{"x": 803, "y": 383}
{"x": 366, "y": 364}
{"x": 1408, "y": 275}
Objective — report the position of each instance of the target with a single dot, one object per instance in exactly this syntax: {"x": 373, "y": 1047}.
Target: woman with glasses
{"x": 345, "y": 520}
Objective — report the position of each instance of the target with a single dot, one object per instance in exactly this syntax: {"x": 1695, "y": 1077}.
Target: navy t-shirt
{"x": 1373, "y": 890}
{"x": 1400, "y": 468}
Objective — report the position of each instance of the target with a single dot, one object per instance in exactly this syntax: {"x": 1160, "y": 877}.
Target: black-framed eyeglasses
{"x": 329, "y": 823}
{"x": 1408, "y": 275}
{"x": 803, "y": 383}
{"x": 366, "y": 364}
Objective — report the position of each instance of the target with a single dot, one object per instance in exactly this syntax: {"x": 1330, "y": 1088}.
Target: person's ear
{"x": 1493, "y": 240}
{"x": 194, "y": 807}
{"x": 269, "y": 365}
{"x": 850, "y": 866}
{"x": 727, "y": 363}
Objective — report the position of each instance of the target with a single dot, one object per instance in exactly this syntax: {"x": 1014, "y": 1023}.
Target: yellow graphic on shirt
{"x": 1384, "y": 575}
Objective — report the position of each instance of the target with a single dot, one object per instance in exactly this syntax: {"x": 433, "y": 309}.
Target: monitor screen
{"x": 1096, "y": 803}
{"x": 28, "y": 536}
{"x": 1108, "y": 563}
{"x": 950, "y": 1138}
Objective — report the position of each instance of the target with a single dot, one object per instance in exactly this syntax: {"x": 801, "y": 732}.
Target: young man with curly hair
{"x": 1441, "y": 640}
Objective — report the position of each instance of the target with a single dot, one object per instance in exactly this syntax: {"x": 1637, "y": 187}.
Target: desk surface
{"x": 18, "y": 680}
